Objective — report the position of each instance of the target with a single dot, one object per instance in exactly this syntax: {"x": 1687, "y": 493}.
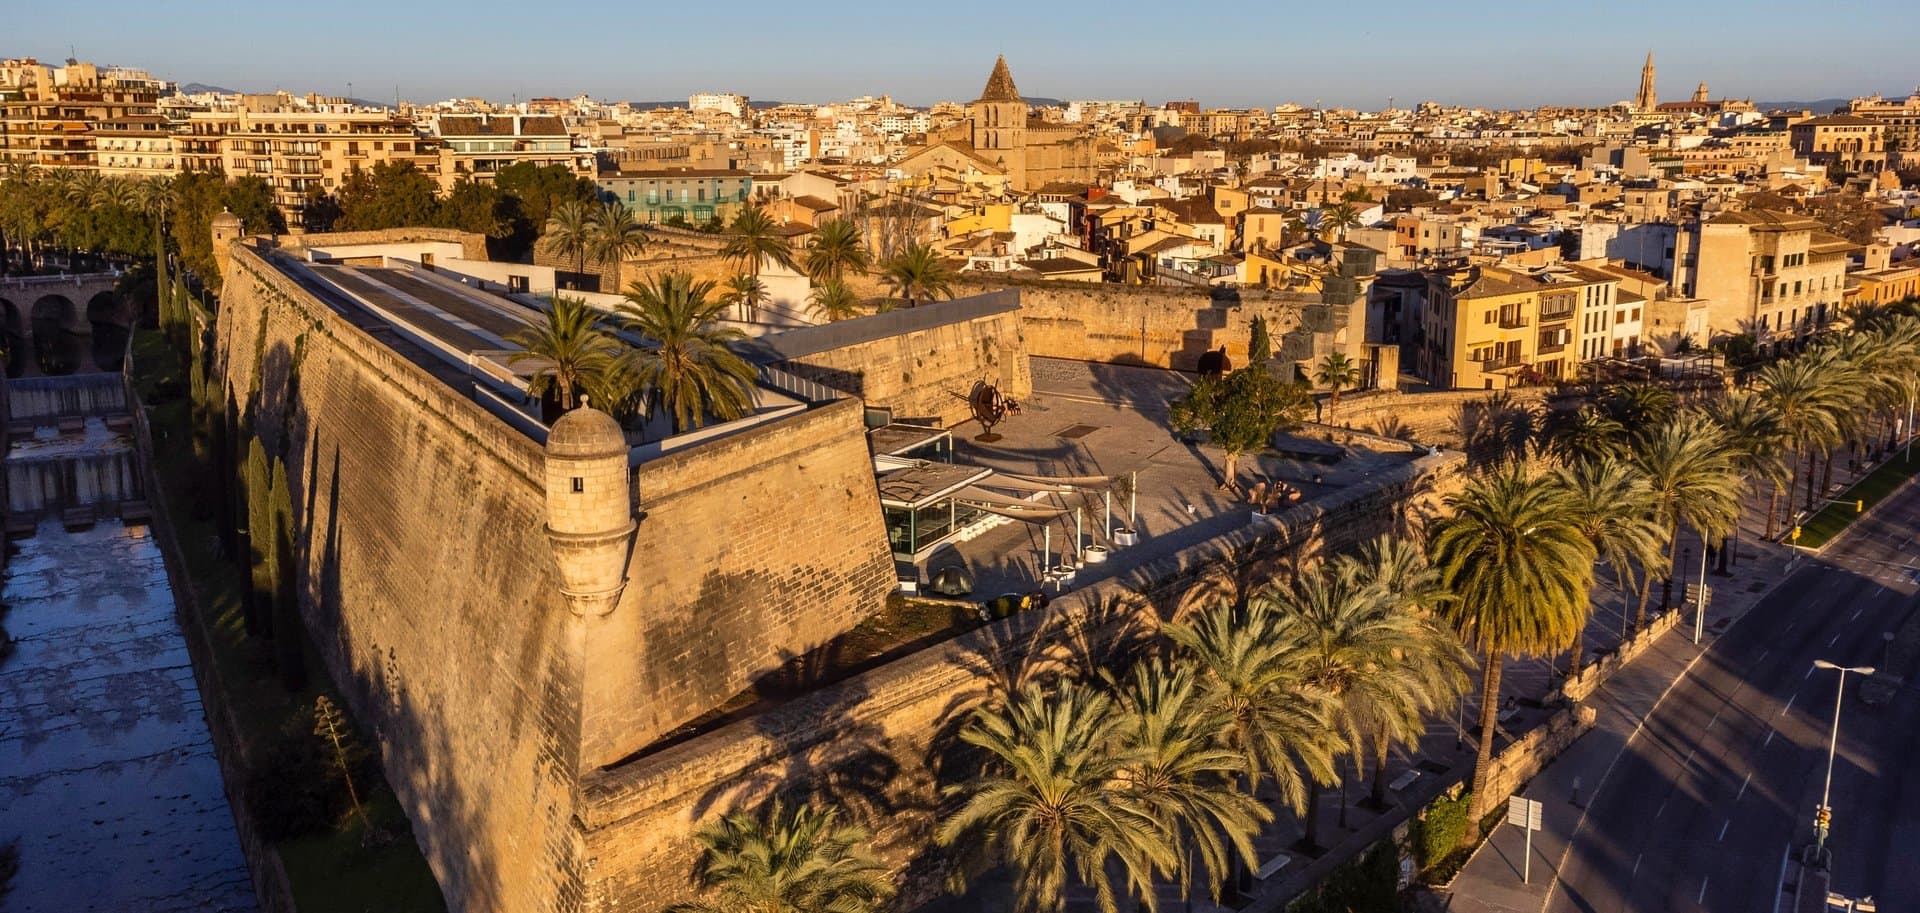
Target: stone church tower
{"x": 589, "y": 508}
{"x": 1646, "y": 100}
{"x": 999, "y": 124}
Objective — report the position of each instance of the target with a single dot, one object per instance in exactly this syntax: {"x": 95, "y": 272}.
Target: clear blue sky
{"x": 1238, "y": 54}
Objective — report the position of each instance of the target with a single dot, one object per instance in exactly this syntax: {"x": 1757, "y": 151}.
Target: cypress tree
{"x": 288, "y": 653}
{"x": 1260, "y": 346}
{"x": 260, "y": 540}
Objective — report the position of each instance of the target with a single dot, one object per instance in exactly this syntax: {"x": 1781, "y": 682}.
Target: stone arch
{"x": 60, "y": 331}
{"x": 13, "y": 324}
{"x": 110, "y": 318}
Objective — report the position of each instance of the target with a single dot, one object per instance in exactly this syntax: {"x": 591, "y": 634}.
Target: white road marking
{"x": 1835, "y": 640}
{"x": 1636, "y": 862}
{"x": 1723, "y": 828}
{"x": 1711, "y": 722}
{"x": 1689, "y": 761}
{"x": 1663, "y": 809}
{"x": 1763, "y": 654}
{"x": 1703, "y": 892}
{"x": 1770, "y": 735}
{"x": 1811, "y": 668}
{"x": 1749, "y": 779}
{"x": 1783, "y": 710}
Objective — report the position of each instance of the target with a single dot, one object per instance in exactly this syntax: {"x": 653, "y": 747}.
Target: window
{"x": 579, "y": 485}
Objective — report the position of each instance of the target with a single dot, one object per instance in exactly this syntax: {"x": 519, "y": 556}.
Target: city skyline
{"x": 424, "y": 54}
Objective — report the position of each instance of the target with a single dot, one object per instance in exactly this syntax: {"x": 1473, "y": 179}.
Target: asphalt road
{"x": 1698, "y": 812}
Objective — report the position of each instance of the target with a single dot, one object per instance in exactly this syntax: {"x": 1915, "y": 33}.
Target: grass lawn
{"x": 1827, "y": 523}
{"x": 330, "y": 872}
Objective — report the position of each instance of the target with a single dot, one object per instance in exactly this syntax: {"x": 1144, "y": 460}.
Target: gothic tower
{"x": 999, "y": 124}
{"x": 589, "y": 508}
{"x": 1700, "y": 94}
{"x": 1646, "y": 100}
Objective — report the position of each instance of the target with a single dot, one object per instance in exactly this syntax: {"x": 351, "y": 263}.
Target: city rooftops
{"x": 658, "y": 173}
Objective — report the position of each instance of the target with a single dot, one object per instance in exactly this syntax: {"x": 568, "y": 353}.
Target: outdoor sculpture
{"x": 990, "y": 407}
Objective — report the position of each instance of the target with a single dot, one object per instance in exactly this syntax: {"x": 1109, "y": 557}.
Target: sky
{"x": 1229, "y": 54}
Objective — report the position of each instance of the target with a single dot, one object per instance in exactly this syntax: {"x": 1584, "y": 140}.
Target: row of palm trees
{"x": 834, "y": 252}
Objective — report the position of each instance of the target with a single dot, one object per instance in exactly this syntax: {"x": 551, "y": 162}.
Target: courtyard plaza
{"x": 1089, "y": 422}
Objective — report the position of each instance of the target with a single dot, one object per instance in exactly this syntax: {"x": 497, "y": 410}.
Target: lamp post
{"x": 1823, "y": 818}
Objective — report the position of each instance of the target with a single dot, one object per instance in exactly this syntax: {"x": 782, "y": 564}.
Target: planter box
{"x": 1125, "y": 537}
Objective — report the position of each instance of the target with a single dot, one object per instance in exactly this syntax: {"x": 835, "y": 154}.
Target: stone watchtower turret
{"x": 227, "y": 228}
{"x": 589, "y": 508}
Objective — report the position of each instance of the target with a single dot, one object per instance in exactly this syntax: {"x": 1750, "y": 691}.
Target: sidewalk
{"x": 1490, "y": 882}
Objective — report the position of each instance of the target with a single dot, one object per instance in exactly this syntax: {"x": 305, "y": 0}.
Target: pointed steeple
{"x": 1000, "y": 83}
{"x": 1645, "y": 99}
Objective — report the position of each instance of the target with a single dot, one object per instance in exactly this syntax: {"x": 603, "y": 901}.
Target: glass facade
{"x": 911, "y": 531}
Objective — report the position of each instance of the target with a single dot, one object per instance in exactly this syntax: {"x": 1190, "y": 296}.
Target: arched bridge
{"x": 64, "y": 324}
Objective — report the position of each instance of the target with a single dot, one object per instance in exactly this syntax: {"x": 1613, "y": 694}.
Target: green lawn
{"x": 1827, "y": 523}
{"x": 331, "y": 872}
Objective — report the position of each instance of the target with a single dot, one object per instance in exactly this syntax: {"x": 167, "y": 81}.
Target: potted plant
{"x": 1127, "y": 486}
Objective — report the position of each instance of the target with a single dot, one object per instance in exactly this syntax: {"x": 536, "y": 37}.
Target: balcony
{"x": 1501, "y": 363}
{"x": 1552, "y": 348}
{"x": 1512, "y": 321}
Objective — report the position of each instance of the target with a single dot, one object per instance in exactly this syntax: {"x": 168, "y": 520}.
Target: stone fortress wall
{"x": 430, "y": 591}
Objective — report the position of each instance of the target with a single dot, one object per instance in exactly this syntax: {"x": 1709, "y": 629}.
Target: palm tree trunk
{"x": 1826, "y": 475}
{"x": 1646, "y": 590}
{"x": 1311, "y": 842}
{"x": 1379, "y": 797}
{"x": 1773, "y": 508}
{"x": 1812, "y": 466}
{"x": 1483, "y": 761}
{"x": 1230, "y": 472}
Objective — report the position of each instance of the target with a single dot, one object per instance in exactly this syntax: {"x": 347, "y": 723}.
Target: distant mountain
{"x": 1819, "y": 106}
{"x": 201, "y": 88}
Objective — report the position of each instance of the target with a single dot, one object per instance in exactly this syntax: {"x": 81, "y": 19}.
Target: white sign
{"x": 1524, "y": 813}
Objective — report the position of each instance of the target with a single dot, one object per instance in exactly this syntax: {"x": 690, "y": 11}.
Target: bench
{"x": 1273, "y": 866}
{"x": 1404, "y": 780}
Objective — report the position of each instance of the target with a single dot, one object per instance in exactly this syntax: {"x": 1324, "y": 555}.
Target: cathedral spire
{"x": 1000, "y": 83}
{"x": 1646, "y": 100}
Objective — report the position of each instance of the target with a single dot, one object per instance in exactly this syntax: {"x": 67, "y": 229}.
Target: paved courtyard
{"x": 1110, "y": 420}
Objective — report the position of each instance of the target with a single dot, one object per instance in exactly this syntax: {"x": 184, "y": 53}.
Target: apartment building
{"x": 49, "y": 115}
{"x": 694, "y": 194}
{"x": 300, "y": 150}
{"x": 135, "y": 146}
{"x": 1492, "y": 327}
{"x": 1777, "y": 276}
{"x": 477, "y": 147}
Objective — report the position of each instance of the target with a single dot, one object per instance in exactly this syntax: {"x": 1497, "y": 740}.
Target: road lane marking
{"x": 1703, "y": 891}
{"x": 1810, "y": 669}
{"x": 1723, "y": 829}
{"x": 1835, "y": 640}
{"x": 1769, "y": 741}
{"x": 1663, "y": 809}
{"x": 1636, "y": 862}
{"x": 1783, "y": 710}
{"x": 1689, "y": 761}
{"x": 1716, "y": 719}
{"x": 1763, "y": 654}
{"x": 1749, "y": 779}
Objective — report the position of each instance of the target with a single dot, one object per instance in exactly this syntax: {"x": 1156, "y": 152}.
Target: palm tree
{"x": 1584, "y": 434}
{"x": 569, "y": 232}
{"x": 614, "y": 236}
{"x": 834, "y": 300}
{"x": 1276, "y": 721}
{"x": 753, "y": 238}
{"x": 1691, "y": 479}
{"x": 788, "y": 860}
{"x": 573, "y": 353}
{"x": 1337, "y": 372}
{"x": 1758, "y": 441}
{"x": 1342, "y": 216}
{"x": 835, "y": 250}
{"x": 749, "y": 293}
{"x": 1613, "y": 508}
{"x": 1518, "y": 569}
{"x": 1048, "y": 803}
{"x": 916, "y": 273}
{"x": 1640, "y": 406}
{"x": 1178, "y": 772}
{"x": 1354, "y": 641}
{"x": 686, "y": 367}
{"x": 1806, "y": 404}
{"x": 1411, "y": 586}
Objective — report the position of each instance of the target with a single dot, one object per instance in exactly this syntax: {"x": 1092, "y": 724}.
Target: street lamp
{"x": 1823, "y": 818}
